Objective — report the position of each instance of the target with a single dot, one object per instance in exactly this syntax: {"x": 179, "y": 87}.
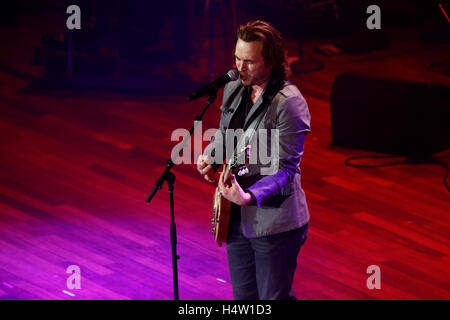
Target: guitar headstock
{"x": 239, "y": 163}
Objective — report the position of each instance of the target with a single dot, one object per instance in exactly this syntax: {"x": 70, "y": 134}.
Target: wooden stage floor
{"x": 76, "y": 168}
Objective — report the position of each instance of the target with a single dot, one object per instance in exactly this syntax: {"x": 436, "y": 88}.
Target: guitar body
{"x": 221, "y": 206}
{"x": 221, "y": 219}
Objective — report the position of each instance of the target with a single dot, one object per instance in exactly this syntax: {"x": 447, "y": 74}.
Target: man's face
{"x": 250, "y": 63}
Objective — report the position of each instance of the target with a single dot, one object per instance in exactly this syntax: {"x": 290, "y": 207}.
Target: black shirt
{"x": 238, "y": 120}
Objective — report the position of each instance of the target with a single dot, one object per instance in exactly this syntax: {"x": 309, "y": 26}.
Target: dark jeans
{"x": 263, "y": 268}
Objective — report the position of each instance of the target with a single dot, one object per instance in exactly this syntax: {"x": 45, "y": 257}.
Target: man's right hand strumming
{"x": 205, "y": 168}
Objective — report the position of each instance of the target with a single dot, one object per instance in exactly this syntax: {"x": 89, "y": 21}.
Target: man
{"x": 270, "y": 218}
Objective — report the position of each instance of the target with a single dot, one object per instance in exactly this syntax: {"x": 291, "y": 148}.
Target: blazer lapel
{"x": 266, "y": 97}
{"x": 257, "y": 107}
{"x": 253, "y": 111}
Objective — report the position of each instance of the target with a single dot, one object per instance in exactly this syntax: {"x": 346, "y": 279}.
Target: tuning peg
{"x": 243, "y": 171}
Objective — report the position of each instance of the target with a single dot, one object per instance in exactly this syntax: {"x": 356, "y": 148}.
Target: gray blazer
{"x": 280, "y": 200}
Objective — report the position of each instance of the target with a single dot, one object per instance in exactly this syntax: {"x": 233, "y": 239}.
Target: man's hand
{"x": 234, "y": 192}
{"x": 205, "y": 168}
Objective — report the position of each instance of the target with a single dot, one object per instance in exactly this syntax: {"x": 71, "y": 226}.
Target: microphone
{"x": 213, "y": 86}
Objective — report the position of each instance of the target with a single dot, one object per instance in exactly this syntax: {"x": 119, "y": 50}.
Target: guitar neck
{"x": 237, "y": 162}
{"x": 226, "y": 170}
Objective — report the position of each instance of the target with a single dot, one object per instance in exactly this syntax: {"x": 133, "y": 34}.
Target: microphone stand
{"x": 170, "y": 178}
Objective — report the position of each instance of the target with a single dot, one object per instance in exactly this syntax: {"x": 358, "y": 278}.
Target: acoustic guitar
{"x": 238, "y": 164}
